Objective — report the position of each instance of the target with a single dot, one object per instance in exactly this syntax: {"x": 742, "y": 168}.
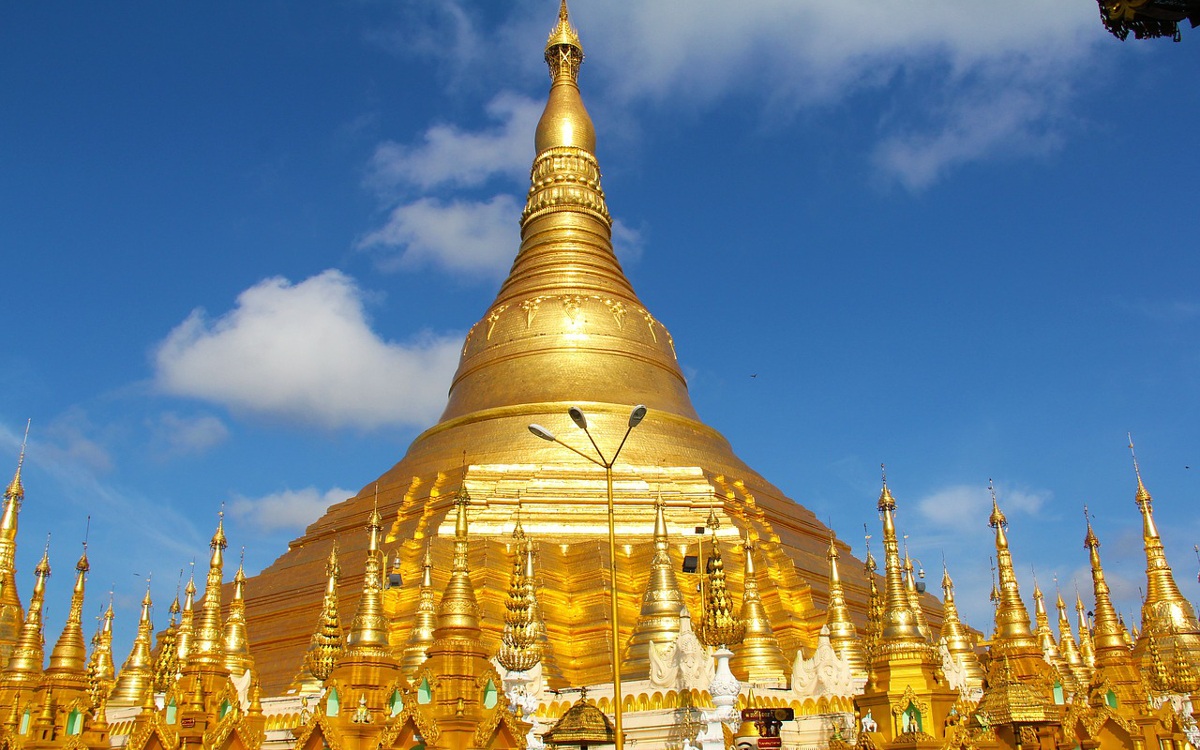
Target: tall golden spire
{"x": 874, "y": 605}
{"x": 658, "y": 620}
{"x": 519, "y": 647}
{"x": 183, "y": 636}
{"x": 101, "y": 673}
{"x": 328, "y": 642}
{"x": 843, "y": 636}
{"x": 166, "y": 650}
{"x": 720, "y": 626}
{"x": 25, "y": 663}
{"x": 1114, "y": 662}
{"x": 237, "y": 641}
{"x": 207, "y": 647}
{"x": 1109, "y": 643}
{"x": 1044, "y": 634}
{"x": 1067, "y": 645}
{"x": 1087, "y": 650}
{"x": 137, "y": 674}
{"x": 759, "y": 659}
{"x": 1012, "y": 619}
{"x": 458, "y": 611}
{"x": 956, "y": 636}
{"x": 424, "y": 621}
{"x": 914, "y": 599}
{"x": 68, "y": 660}
{"x": 11, "y": 613}
{"x": 899, "y": 622}
{"x": 369, "y": 630}
{"x": 1165, "y": 611}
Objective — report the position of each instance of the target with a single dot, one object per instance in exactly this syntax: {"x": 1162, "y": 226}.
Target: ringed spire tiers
{"x": 566, "y": 328}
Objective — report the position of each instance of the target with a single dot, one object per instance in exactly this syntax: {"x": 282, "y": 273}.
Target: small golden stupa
{"x": 566, "y": 329}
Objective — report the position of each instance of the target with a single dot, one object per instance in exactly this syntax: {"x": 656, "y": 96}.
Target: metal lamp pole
{"x": 635, "y": 418}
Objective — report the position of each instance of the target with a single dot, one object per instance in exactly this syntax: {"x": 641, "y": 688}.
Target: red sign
{"x": 769, "y": 743}
{"x": 187, "y": 722}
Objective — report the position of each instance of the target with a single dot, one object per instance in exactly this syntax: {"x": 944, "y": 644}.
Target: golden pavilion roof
{"x": 583, "y": 725}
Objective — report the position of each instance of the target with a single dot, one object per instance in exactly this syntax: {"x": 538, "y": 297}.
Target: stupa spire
{"x": 759, "y": 659}
{"x": 519, "y": 648}
{"x": 136, "y": 675}
{"x": 874, "y": 604}
{"x": 1164, "y": 610}
{"x": 327, "y": 642}
{"x": 420, "y": 638}
{"x": 166, "y": 662}
{"x": 1087, "y": 651}
{"x": 207, "y": 647}
{"x": 899, "y": 621}
{"x": 843, "y": 636}
{"x": 25, "y": 663}
{"x": 1012, "y": 618}
{"x": 1043, "y": 632}
{"x": 1067, "y": 646}
{"x": 68, "y": 660}
{"x": 12, "y": 615}
{"x": 369, "y": 629}
{"x": 101, "y": 673}
{"x": 1114, "y": 661}
{"x": 914, "y": 598}
{"x": 183, "y": 636}
{"x": 1109, "y": 643}
{"x": 237, "y": 640}
{"x": 955, "y": 635}
{"x": 720, "y": 627}
{"x": 662, "y": 601}
{"x": 458, "y": 611}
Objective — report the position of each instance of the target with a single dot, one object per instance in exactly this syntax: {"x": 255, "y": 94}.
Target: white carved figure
{"x": 824, "y": 674}
{"x": 664, "y": 665}
{"x": 686, "y": 664}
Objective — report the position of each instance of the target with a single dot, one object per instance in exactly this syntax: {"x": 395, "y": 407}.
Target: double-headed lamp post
{"x": 580, "y": 420}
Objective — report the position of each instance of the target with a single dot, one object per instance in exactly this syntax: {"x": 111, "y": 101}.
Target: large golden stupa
{"x": 566, "y": 329}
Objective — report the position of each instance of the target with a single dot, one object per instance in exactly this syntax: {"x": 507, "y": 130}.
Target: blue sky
{"x": 241, "y": 245}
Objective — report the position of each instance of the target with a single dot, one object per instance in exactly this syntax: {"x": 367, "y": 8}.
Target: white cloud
{"x": 996, "y": 85}
{"x": 177, "y": 435}
{"x": 306, "y": 352}
{"x": 289, "y": 509}
{"x": 965, "y": 507}
{"x": 448, "y": 155}
{"x": 460, "y": 235}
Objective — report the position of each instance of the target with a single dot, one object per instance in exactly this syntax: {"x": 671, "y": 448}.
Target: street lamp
{"x": 580, "y": 419}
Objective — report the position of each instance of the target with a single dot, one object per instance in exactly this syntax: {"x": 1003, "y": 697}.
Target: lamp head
{"x": 637, "y": 415}
{"x": 577, "y": 417}
{"x": 541, "y": 432}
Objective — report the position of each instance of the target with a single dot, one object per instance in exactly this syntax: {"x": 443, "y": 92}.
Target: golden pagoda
{"x": 566, "y": 329}
{"x": 843, "y": 635}
{"x": 907, "y": 698}
{"x": 12, "y": 615}
{"x": 1167, "y": 616}
{"x": 957, "y": 640}
{"x": 136, "y": 677}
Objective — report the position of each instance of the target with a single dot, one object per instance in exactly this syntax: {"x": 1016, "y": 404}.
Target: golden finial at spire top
{"x": 997, "y": 519}
{"x": 886, "y": 501}
{"x": 563, "y": 35}
{"x": 16, "y": 491}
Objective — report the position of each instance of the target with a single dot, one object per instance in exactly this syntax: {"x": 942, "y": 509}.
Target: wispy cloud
{"x": 964, "y": 90}
{"x": 306, "y": 352}
{"x": 287, "y": 509}
{"x": 448, "y": 155}
{"x": 176, "y": 435}
{"x": 465, "y": 233}
{"x": 477, "y": 237}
